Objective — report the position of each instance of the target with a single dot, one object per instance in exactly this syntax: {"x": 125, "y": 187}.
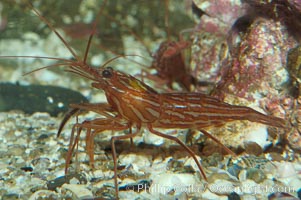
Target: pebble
{"x": 79, "y": 192}
{"x": 221, "y": 175}
{"x": 16, "y": 150}
{"x": 207, "y": 195}
{"x": 150, "y": 138}
{"x": 221, "y": 187}
{"x": 259, "y": 136}
{"x": 235, "y": 170}
{"x": 191, "y": 163}
{"x": 44, "y": 194}
{"x": 256, "y": 175}
{"x": 248, "y": 187}
{"x": 253, "y": 148}
{"x": 138, "y": 162}
{"x": 10, "y": 196}
{"x": 295, "y": 183}
{"x": 242, "y": 176}
{"x": 285, "y": 169}
{"x": 249, "y": 197}
{"x": 281, "y": 196}
{"x": 172, "y": 182}
{"x": 233, "y": 196}
{"x": 59, "y": 181}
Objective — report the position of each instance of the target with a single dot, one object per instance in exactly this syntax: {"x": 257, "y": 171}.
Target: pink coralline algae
{"x": 210, "y": 39}
{"x": 242, "y": 48}
{"x": 257, "y": 66}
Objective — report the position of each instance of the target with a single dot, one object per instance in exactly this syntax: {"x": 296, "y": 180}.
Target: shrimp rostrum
{"x": 133, "y": 104}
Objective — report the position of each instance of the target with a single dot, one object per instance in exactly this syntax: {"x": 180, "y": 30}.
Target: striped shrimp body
{"x": 140, "y": 104}
{"x": 137, "y": 104}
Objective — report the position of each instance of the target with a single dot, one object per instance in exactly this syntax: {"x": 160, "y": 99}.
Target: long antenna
{"x": 166, "y": 20}
{"x": 55, "y": 31}
{"x": 93, "y": 30}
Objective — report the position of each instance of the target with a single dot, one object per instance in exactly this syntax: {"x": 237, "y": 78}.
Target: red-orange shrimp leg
{"x": 218, "y": 142}
{"x": 100, "y": 108}
{"x": 97, "y": 126}
{"x": 177, "y": 140}
{"x": 93, "y": 127}
{"x": 113, "y": 139}
{"x": 68, "y": 115}
{"x": 73, "y": 142}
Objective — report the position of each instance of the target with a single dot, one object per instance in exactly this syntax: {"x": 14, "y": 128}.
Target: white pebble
{"x": 150, "y": 138}
{"x": 78, "y": 191}
{"x": 209, "y": 195}
{"x": 191, "y": 162}
{"x": 179, "y": 183}
{"x": 259, "y": 135}
{"x": 285, "y": 169}
{"x": 139, "y": 162}
{"x": 221, "y": 187}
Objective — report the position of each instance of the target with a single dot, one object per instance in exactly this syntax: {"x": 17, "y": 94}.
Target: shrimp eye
{"x": 107, "y": 73}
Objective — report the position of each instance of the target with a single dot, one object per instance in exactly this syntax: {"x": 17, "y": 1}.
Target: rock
{"x": 281, "y": 196}
{"x": 79, "y": 192}
{"x": 233, "y": 196}
{"x": 221, "y": 187}
{"x": 44, "y": 194}
{"x": 37, "y": 98}
{"x": 207, "y": 194}
{"x": 256, "y": 175}
{"x": 175, "y": 183}
{"x": 285, "y": 169}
